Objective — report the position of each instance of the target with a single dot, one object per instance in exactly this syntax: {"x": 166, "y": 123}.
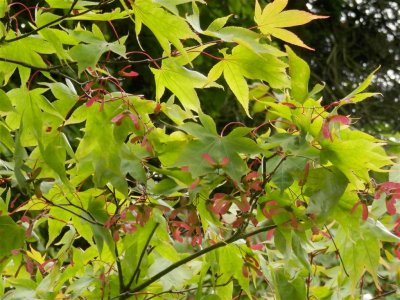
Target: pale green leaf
{"x": 238, "y": 84}
{"x": 361, "y": 96}
{"x": 166, "y": 27}
{"x": 289, "y": 288}
{"x": 12, "y": 236}
{"x": 289, "y": 18}
{"x": 171, "y": 5}
{"x": 3, "y": 8}
{"x": 260, "y": 66}
{"x": 271, "y": 9}
{"x": 218, "y": 23}
{"x": 300, "y": 75}
{"x": 182, "y": 82}
{"x": 66, "y": 4}
{"x": 394, "y": 174}
{"x": 362, "y": 86}
{"x": 355, "y": 157}
{"x": 287, "y": 36}
{"x": 360, "y": 251}
{"x": 324, "y": 186}
{"x": 5, "y": 103}
{"x": 272, "y": 19}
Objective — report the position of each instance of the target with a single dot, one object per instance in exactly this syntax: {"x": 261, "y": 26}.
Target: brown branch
{"x": 193, "y": 256}
{"x": 60, "y": 19}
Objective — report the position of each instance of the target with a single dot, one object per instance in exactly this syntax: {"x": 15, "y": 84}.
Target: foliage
{"x": 107, "y": 193}
{"x": 357, "y": 37}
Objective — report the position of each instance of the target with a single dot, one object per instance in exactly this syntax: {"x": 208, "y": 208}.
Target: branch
{"x": 119, "y": 267}
{"x": 137, "y": 270}
{"x": 21, "y": 63}
{"x": 94, "y": 222}
{"x": 337, "y": 250}
{"x": 62, "y": 18}
{"x": 189, "y": 258}
{"x": 384, "y": 294}
{"x": 191, "y": 289}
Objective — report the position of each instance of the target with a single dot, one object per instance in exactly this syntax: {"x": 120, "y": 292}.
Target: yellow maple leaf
{"x": 272, "y": 19}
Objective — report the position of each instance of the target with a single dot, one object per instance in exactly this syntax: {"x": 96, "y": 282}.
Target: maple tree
{"x": 109, "y": 194}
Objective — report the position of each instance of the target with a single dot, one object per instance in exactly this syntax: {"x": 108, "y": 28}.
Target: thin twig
{"x": 136, "y": 273}
{"x": 384, "y": 294}
{"x": 62, "y": 18}
{"x": 48, "y": 201}
{"x": 119, "y": 267}
{"x": 337, "y": 251}
{"x": 190, "y": 289}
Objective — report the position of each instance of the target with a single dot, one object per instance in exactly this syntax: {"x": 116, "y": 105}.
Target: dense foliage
{"x": 110, "y": 194}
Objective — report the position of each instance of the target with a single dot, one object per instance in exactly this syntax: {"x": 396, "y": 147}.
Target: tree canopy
{"x": 158, "y": 149}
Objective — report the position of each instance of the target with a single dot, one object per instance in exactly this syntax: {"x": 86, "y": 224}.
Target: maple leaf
{"x": 272, "y": 19}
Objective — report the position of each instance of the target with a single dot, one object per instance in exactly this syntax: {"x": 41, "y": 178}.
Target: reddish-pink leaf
{"x": 243, "y": 205}
{"x": 91, "y": 101}
{"x": 208, "y": 158}
{"x": 29, "y": 265}
{"x": 88, "y": 86}
{"x": 47, "y": 266}
{"x": 364, "y": 211}
{"x": 25, "y": 219}
{"x": 245, "y": 272}
{"x": 266, "y": 213}
{"x": 218, "y": 196}
{"x": 305, "y": 174}
{"x": 196, "y": 240}
{"x": 185, "y": 169}
{"x": 238, "y": 222}
{"x": 128, "y": 74}
{"x": 326, "y": 132}
{"x": 176, "y": 235}
{"x": 288, "y": 104}
{"x": 146, "y": 144}
{"x": 135, "y": 120}
{"x": 118, "y": 118}
{"x": 355, "y": 207}
{"x": 270, "y": 234}
{"x": 391, "y": 209}
{"x": 397, "y": 251}
{"x": 387, "y": 186}
{"x": 396, "y": 228}
{"x": 157, "y": 109}
{"x": 257, "y": 246}
{"x": 221, "y": 206}
{"x": 225, "y": 161}
{"x": 129, "y": 228}
{"x": 256, "y": 185}
{"x": 194, "y": 184}
{"x": 271, "y": 203}
{"x": 340, "y": 119}
{"x": 251, "y": 175}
